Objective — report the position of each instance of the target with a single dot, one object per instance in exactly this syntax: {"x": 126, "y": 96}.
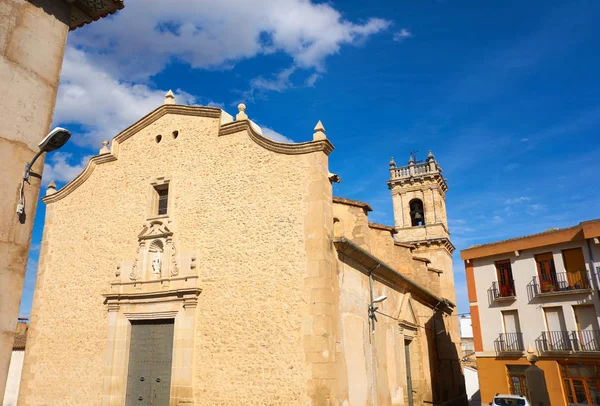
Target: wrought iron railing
{"x": 586, "y": 340}
{"x": 560, "y": 282}
{"x": 577, "y": 341}
{"x": 498, "y": 291}
{"x": 509, "y": 342}
{"x": 554, "y": 341}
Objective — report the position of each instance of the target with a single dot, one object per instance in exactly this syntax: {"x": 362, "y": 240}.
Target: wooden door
{"x": 409, "y": 389}
{"x": 546, "y": 272}
{"x": 505, "y": 278}
{"x": 575, "y": 266}
{"x": 150, "y": 359}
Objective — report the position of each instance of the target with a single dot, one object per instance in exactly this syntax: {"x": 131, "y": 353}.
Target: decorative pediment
{"x": 407, "y": 316}
{"x": 155, "y": 229}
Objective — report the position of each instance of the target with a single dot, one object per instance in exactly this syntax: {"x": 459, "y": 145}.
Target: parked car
{"x": 509, "y": 400}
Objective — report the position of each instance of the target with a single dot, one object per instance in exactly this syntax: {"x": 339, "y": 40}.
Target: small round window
{"x": 158, "y": 138}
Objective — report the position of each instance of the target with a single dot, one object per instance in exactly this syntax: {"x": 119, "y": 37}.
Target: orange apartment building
{"x": 538, "y": 294}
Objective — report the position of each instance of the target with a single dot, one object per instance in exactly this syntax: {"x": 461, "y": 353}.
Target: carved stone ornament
{"x": 156, "y": 256}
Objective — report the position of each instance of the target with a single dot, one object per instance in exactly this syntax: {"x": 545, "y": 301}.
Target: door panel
{"x": 586, "y": 317}
{"x": 546, "y": 271}
{"x": 505, "y": 278}
{"x": 555, "y": 319}
{"x": 511, "y": 322}
{"x": 409, "y": 389}
{"x": 575, "y": 266}
{"x": 150, "y": 360}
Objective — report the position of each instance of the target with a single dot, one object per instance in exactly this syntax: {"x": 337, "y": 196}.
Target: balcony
{"x": 562, "y": 283}
{"x": 554, "y": 341}
{"x": 585, "y": 341}
{"x": 498, "y": 292}
{"x": 509, "y": 344}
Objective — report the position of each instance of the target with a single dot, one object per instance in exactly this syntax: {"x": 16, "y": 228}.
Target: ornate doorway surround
{"x": 157, "y": 284}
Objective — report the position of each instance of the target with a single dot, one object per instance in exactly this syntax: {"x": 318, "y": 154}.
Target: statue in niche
{"x": 156, "y": 264}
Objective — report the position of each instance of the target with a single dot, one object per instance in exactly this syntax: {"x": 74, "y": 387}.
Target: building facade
{"x": 466, "y": 335}
{"x": 33, "y": 35}
{"x": 196, "y": 262}
{"x": 538, "y": 294}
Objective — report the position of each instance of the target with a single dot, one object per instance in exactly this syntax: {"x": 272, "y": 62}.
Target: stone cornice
{"x": 342, "y": 200}
{"x": 441, "y": 242}
{"x": 382, "y": 227}
{"x": 280, "y": 147}
{"x": 198, "y": 111}
{"x": 436, "y": 178}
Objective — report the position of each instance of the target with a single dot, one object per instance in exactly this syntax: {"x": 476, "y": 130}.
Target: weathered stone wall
{"x": 354, "y": 225}
{"x": 374, "y": 366}
{"x": 248, "y": 214}
{"x": 32, "y": 40}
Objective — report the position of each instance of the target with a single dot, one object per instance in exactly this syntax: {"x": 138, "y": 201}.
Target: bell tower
{"x": 419, "y": 200}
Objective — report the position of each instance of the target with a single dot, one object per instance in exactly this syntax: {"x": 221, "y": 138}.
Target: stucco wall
{"x": 531, "y": 315}
{"x": 493, "y": 378}
{"x": 241, "y": 209}
{"x": 379, "y": 359}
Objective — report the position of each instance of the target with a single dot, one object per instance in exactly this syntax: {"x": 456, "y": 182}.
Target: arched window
{"x": 417, "y": 214}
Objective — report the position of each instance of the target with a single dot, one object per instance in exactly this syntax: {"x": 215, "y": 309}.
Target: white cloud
{"x": 99, "y": 102}
{"x": 278, "y": 83}
{"x": 312, "y": 79}
{"x": 402, "y": 35}
{"x": 510, "y": 167}
{"x": 275, "y": 136}
{"x": 60, "y": 167}
{"x": 516, "y": 200}
{"x": 145, "y": 36}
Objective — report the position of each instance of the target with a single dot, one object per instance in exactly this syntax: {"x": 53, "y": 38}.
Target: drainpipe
{"x": 592, "y": 269}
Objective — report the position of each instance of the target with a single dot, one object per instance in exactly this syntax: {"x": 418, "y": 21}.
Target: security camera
{"x": 379, "y": 299}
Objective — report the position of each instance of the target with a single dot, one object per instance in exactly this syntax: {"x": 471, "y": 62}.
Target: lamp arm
{"x": 28, "y": 165}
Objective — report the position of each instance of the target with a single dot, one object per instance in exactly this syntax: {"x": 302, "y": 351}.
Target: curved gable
{"x": 324, "y": 146}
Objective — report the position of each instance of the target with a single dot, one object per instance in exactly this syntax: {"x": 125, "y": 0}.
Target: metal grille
{"x": 163, "y": 200}
{"x": 150, "y": 359}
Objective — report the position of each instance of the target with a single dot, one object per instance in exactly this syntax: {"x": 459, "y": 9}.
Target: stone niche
{"x": 157, "y": 265}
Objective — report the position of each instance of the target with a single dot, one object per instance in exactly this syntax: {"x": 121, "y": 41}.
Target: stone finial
{"x": 532, "y": 358}
{"x": 51, "y": 189}
{"x": 319, "y": 133}
{"x": 430, "y": 156}
{"x": 392, "y": 162}
{"x": 241, "y": 115}
{"x": 169, "y": 97}
{"x": 411, "y": 161}
{"x": 104, "y": 149}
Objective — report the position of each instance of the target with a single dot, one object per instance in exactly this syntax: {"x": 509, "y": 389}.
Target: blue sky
{"x": 506, "y": 94}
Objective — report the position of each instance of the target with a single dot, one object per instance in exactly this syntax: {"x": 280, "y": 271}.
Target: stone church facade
{"x": 196, "y": 262}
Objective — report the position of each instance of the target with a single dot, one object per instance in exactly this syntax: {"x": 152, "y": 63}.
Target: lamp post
{"x": 53, "y": 141}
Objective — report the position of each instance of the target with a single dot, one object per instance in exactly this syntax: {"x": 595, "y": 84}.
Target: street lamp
{"x": 51, "y": 142}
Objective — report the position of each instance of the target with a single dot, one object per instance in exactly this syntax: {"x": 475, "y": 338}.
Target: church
{"x": 197, "y": 262}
